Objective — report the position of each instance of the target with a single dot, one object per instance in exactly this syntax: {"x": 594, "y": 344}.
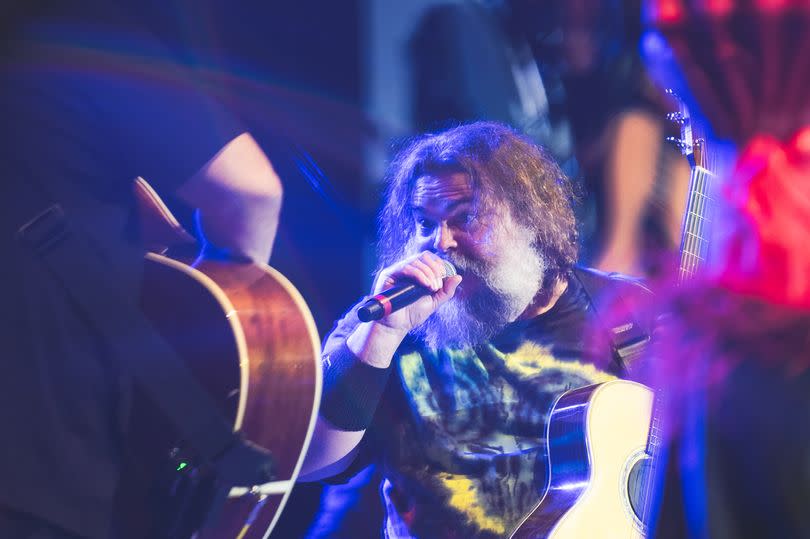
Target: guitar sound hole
{"x": 638, "y": 487}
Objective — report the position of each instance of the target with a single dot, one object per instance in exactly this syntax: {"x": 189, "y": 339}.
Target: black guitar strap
{"x": 628, "y": 337}
{"x": 67, "y": 252}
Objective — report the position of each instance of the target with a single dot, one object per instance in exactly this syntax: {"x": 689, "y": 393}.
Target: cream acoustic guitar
{"x": 604, "y": 438}
{"x": 248, "y": 337}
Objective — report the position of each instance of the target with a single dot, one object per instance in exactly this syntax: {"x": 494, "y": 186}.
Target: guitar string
{"x": 687, "y": 241}
{"x": 696, "y": 245}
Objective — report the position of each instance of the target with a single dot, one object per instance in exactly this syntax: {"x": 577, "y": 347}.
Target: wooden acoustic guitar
{"x": 248, "y": 337}
{"x": 604, "y": 438}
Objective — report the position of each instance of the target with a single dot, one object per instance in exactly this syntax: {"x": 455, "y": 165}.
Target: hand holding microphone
{"x": 419, "y": 280}
{"x": 418, "y": 284}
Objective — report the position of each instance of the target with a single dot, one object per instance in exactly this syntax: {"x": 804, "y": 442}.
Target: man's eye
{"x": 425, "y": 227}
{"x": 463, "y": 220}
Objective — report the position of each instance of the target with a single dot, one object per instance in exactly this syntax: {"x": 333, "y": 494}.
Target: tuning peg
{"x": 681, "y": 144}
{"x": 670, "y": 91}
{"x": 677, "y": 117}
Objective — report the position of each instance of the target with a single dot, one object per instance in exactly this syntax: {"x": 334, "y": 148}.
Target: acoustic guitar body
{"x": 598, "y": 439}
{"x": 247, "y": 336}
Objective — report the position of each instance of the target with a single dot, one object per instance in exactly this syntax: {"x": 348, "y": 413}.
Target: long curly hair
{"x": 505, "y": 170}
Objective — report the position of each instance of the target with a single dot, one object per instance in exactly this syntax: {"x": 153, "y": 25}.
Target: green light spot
{"x": 182, "y": 465}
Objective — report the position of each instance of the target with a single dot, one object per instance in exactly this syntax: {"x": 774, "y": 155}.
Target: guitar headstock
{"x": 698, "y": 216}
{"x": 160, "y": 229}
{"x": 692, "y": 142}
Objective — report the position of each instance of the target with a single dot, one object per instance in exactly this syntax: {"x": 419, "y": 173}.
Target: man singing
{"x": 452, "y": 393}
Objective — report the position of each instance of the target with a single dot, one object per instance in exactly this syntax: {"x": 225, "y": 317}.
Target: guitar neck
{"x": 694, "y": 252}
{"x": 696, "y": 223}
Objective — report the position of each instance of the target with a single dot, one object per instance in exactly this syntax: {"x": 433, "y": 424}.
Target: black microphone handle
{"x": 397, "y": 297}
{"x": 391, "y": 300}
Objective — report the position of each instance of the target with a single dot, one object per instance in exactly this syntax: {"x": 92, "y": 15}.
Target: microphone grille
{"x": 449, "y": 269}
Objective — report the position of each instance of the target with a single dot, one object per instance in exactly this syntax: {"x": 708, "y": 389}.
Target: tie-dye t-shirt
{"x": 462, "y": 431}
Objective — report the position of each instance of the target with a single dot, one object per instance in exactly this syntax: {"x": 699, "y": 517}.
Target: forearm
{"x": 238, "y": 197}
{"x": 356, "y": 368}
{"x": 375, "y": 344}
{"x": 241, "y": 226}
{"x": 628, "y": 183}
{"x": 331, "y": 451}
{"x": 357, "y": 361}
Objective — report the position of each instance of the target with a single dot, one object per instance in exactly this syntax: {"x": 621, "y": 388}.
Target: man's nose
{"x": 444, "y": 238}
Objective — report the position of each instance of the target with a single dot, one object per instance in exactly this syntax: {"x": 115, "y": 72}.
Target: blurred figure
{"x": 736, "y": 353}
{"x": 91, "y": 99}
{"x": 637, "y": 180}
{"x": 568, "y": 74}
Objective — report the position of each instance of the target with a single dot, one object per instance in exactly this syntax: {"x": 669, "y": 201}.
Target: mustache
{"x": 465, "y": 264}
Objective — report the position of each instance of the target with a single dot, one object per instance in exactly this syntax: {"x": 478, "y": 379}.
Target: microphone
{"x": 397, "y": 297}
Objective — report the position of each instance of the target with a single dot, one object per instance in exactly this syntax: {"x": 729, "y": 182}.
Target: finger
{"x": 448, "y": 288}
{"x": 437, "y": 264}
{"x": 417, "y": 272}
{"x": 389, "y": 276}
{"x": 434, "y": 280}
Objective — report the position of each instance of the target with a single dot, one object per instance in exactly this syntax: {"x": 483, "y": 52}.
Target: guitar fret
{"x": 694, "y": 244}
{"x": 703, "y": 196}
{"x": 696, "y": 236}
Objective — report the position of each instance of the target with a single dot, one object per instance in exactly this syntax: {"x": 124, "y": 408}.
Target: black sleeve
{"x": 164, "y": 121}
{"x": 107, "y": 100}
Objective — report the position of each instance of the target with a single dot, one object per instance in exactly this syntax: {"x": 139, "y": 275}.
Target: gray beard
{"x": 507, "y": 288}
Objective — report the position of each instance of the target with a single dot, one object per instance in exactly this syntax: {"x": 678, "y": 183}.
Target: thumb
{"x": 448, "y": 289}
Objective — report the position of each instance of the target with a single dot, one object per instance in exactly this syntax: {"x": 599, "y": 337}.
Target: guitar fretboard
{"x": 697, "y": 224}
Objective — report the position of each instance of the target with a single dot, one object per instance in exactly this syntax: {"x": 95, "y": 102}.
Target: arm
{"x": 630, "y": 172}
{"x": 332, "y": 448}
{"x": 373, "y": 345}
{"x": 238, "y": 194}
